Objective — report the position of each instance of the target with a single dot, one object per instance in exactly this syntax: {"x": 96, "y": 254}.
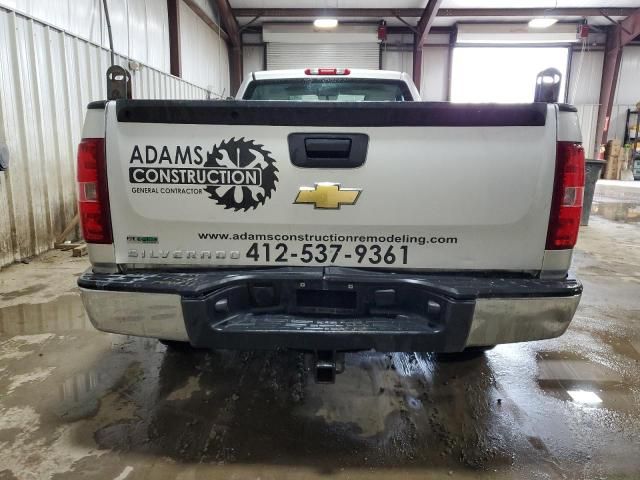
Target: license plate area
{"x": 339, "y": 300}
{"x": 336, "y": 302}
{"x": 317, "y": 314}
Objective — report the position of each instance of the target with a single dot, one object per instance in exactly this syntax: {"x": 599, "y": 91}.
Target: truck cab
{"x": 329, "y": 85}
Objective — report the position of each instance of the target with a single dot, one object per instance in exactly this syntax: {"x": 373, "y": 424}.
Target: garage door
{"x": 307, "y": 55}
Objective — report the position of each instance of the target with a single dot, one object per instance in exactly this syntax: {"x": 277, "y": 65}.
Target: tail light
{"x": 568, "y": 190}
{"x": 327, "y": 71}
{"x": 93, "y": 196}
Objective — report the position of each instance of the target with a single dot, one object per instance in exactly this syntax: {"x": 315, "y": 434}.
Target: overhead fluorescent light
{"x": 325, "y": 22}
{"x": 544, "y": 22}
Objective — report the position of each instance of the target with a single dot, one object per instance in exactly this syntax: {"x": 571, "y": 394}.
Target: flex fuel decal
{"x": 237, "y": 174}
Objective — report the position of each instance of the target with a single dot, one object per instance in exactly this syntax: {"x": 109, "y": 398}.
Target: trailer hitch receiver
{"x": 326, "y": 364}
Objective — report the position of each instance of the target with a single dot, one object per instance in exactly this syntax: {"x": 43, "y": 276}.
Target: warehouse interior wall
{"x": 140, "y": 27}
{"x": 396, "y": 57}
{"x": 397, "y": 54}
{"x": 252, "y": 59}
{"x": 253, "y": 53}
{"x": 52, "y": 63}
{"x": 434, "y": 86}
{"x": 291, "y": 46}
{"x": 584, "y": 92}
{"x": 627, "y": 91}
{"x": 203, "y": 53}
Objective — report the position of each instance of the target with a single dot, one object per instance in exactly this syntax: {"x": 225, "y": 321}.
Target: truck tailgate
{"x": 405, "y": 186}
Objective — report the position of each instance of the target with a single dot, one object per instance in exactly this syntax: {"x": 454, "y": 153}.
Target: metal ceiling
{"x": 450, "y": 12}
{"x": 363, "y": 4}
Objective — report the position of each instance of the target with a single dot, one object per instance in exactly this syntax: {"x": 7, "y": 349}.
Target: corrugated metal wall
{"x": 435, "y": 73}
{"x": 584, "y": 93}
{"x": 627, "y": 91}
{"x": 435, "y": 65}
{"x": 282, "y": 56}
{"x": 140, "y": 27}
{"x": 397, "y": 57}
{"x": 252, "y": 59}
{"x": 204, "y": 55}
{"x": 47, "y": 76}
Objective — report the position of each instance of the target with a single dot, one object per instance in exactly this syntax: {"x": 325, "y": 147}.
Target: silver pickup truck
{"x": 330, "y": 210}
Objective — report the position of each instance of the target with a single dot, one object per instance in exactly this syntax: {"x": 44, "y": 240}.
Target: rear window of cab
{"x": 328, "y": 90}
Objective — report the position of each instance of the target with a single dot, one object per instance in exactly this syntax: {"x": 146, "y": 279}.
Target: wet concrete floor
{"x": 77, "y": 403}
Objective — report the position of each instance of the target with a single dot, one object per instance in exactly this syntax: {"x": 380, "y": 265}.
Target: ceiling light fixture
{"x": 325, "y": 22}
{"x": 544, "y": 22}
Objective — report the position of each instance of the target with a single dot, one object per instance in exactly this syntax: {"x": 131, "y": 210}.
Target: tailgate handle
{"x": 328, "y": 150}
{"x": 327, "y": 147}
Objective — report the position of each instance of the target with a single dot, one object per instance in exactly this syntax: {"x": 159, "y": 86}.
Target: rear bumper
{"x": 329, "y": 308}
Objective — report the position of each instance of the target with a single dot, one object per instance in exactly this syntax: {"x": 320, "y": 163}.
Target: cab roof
{"x": 353, "y": 73}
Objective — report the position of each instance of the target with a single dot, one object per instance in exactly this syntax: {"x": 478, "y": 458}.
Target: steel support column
{"x": 235, "y": 44}
{"x": 424, "y": 24}
{"x": 617, "y": 37}
{"x": 173, "y": 10}
{"x": 610, "y": 71}
{"x": 235, "y": 68}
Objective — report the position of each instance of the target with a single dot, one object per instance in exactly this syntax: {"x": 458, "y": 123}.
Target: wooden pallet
{"x": 78, "y": 249}
{"x": 68, "y": 229}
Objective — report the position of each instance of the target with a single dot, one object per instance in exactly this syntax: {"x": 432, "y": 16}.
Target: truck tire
{"x": 468, "y": 353}
{"x": 479, "y": 349}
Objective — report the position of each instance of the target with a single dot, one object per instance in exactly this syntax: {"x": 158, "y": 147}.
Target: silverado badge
{"x": 326, "y": 195}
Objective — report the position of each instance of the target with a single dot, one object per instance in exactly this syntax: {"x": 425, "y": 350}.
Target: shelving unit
{"x": 631, "y": 134}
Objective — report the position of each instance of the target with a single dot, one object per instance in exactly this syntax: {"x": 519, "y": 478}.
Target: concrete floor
{"x": 77, "y": 403}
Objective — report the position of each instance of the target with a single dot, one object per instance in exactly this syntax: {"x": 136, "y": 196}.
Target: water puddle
{"x": 624, "y": 212}
{"x": 63, "y": 314}
{"x": 582, "y": 382}
{"x": 23, "y": 291}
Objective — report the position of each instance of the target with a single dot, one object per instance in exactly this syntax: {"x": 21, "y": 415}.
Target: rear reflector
{"x": 93, "y": 196}
{"x": 327, "y": 71}
{"x": 568, "y": 190}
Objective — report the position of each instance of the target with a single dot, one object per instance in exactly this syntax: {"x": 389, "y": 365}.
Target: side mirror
{"x": 548, "y": 86}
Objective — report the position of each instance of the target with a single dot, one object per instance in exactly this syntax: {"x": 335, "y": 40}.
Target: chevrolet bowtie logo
{"x": 328, "y": 195}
